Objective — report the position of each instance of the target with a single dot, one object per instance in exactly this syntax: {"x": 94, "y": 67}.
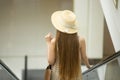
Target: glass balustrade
{"x": 109, "y": 69}
{"x": 6, "y": 73}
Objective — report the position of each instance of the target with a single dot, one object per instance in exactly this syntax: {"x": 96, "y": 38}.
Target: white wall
{"x": 112, "y": 16}
{"x": 90, "y": 20}
{"x": 23, "y": 25}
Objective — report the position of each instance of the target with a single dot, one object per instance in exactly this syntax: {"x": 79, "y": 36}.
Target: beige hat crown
{"x": 64, "y": 21}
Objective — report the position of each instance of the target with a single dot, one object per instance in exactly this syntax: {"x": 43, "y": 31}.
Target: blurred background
{"x": 24, "y": 23}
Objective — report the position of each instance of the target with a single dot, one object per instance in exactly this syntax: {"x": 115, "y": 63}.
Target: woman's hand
{"x": 48, "y": 37}
{"x": 88, "y": 66}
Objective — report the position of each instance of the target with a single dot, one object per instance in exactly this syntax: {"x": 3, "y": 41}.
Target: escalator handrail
{"x": 108, "y": 59}
{"x": 6, "y": 67}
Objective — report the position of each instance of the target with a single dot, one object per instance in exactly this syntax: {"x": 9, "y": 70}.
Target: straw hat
{"x": 64, "y": 21}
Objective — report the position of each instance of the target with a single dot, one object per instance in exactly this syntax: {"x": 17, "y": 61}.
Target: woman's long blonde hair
{"x": 67, "y": 49}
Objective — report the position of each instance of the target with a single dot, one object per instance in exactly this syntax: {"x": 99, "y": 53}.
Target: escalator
{"x": 6, "y": 73}
{"x": 107, "y": 69}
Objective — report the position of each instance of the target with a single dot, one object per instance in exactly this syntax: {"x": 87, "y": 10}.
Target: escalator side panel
{"x": 6, "y": 73}
{"x": 113, "y": 71}
{"x": 119, "y": 61}
{"x": 101, "y": 72}
{"x": 107, "y": 69}
{"x": 91, "y": 76}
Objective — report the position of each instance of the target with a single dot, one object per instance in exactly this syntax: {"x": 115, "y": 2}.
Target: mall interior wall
{"x": 23, "y": 25}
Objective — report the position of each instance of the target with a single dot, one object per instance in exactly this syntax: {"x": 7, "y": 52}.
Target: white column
{"x": 96, "y": 21}
{"x": 90, "y": 20}
{"x": 112, "y": 16}
{"x": 81, "y": 10}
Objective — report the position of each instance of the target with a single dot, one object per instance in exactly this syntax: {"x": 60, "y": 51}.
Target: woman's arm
{"x": 51, "y": 48}
{"x": 83, "y": 52}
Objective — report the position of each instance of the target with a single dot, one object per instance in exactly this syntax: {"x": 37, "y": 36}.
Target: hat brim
{"x": 55, "y": 21}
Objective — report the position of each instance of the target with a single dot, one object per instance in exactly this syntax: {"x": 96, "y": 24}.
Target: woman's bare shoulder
{"x": 81, "y": 38}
